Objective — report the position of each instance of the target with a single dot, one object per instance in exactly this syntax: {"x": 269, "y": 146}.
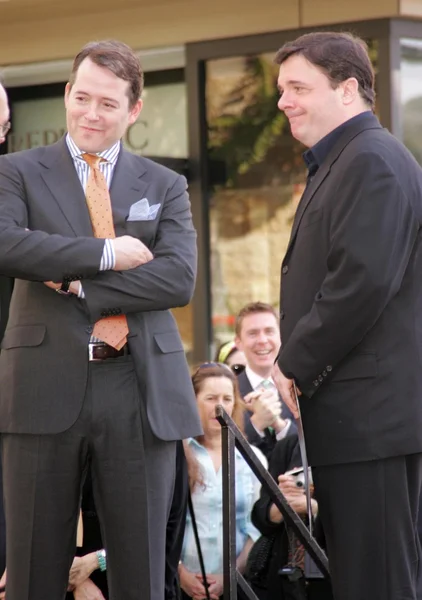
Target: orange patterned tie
{"x": 111, "y": 330}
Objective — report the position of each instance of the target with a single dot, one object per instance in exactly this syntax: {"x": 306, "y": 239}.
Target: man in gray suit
{"x": 67, "y": 399}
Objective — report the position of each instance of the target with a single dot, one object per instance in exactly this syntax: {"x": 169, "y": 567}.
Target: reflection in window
{"x": 256, "y": 177}
{"x": 411, "y": 95}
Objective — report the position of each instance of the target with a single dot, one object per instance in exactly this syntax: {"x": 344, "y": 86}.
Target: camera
{"x": 299, "y": 476}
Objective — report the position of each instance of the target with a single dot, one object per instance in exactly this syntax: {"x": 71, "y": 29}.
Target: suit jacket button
{"x": 89, "y": 329}
{"x": 285, "y": 269}
{"x": 329, "y": 368}
{"x": 324, "y": 373}
{"x": 319, "y": 377}
{"x": 316, "y": 384}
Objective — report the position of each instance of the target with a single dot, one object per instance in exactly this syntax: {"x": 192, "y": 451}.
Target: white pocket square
{"x": 142, "y": 211}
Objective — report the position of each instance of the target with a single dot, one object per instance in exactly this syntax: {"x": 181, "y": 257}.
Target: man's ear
{"x": 135, "y": 110}
{"x": 67, "y": 92}
{"x": 350, "y": 89}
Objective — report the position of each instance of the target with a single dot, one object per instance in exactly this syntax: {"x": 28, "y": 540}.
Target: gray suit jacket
{"x": 43, "y": 363}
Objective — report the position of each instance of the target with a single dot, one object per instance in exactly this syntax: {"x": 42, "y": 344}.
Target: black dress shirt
{"x": 315, "y": 156}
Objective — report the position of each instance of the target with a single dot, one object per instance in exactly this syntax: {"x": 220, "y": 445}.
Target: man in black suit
{"x": 351, "y": 317}
{"x": 258, "y": 337}
{"x": 95, "y": 374}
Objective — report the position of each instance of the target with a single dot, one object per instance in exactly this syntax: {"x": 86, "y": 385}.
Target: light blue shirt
{"x": 208, "y": 508}
{"x": 108, "y": 259}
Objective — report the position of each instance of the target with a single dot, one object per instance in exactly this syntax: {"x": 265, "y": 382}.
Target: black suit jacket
{"x": 351, "y": 300}
{"x": 46, "y": 235}
{"x": 266, "y": 443}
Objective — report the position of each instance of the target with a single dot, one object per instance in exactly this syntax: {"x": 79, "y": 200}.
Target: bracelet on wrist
{"x": 102, "y": 559}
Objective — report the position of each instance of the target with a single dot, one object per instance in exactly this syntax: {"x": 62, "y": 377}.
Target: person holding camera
{"x": 267, "y": 579}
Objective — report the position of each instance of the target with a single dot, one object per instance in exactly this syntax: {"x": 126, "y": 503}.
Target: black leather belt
{"x": 100, "y": 351}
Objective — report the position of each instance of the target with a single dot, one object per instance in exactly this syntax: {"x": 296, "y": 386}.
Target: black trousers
{"x": 133, "y": 481}
{"x": 369, "y": 513}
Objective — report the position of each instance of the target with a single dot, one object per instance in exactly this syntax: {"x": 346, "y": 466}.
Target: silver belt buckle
{"x": 91, "y": 358}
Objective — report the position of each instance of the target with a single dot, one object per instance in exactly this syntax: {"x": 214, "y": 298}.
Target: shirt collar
{"x": 110, "y": 155}
{"x": 315, "y": 156}
{"x": 254, "y": 379}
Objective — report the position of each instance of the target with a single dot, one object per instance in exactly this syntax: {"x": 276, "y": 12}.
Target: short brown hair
{"x": 118, "y": 58}
{"x": 339, "y": 55}
{"x": 251, "y": 309}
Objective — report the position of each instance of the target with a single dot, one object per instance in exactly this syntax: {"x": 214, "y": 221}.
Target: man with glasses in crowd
{"x": 6, "y": 283}
{"x": 6, "y": 287}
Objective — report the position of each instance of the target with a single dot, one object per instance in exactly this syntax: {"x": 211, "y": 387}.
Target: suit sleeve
{"x": 373, "y": 232}
{"x": 36, "y": 255}
{"x": 165, "y": 282}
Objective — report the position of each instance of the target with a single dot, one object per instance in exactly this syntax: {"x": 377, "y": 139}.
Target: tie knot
{"x": 266, "y": 384}
{"x": 93, "y": 160}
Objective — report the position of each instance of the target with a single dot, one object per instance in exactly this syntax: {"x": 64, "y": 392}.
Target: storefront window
{"x": 256, "y": 177}
{"x": 411, "y": 95}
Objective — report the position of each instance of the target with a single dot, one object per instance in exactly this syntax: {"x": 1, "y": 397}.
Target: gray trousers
{"x": 133, "y": 480}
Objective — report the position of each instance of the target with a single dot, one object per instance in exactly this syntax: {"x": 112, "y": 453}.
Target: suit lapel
{"x": 60, "y": 176}
{"x": 307, "y": 196}
{"x": 370, "y": 122}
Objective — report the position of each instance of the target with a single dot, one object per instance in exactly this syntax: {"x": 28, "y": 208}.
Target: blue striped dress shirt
{"x": 108, "y": 259}
{"x": 208, "y": 506}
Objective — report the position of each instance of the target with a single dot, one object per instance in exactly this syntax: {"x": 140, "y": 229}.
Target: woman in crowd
{"x": 215, "y": 384}
{"x": 266, "y": 517}
{"x": 230, "y": 355}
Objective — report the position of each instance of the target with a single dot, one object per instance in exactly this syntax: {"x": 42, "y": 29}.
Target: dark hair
{"x": 339, "y": 55}
{"x": 251, "y": 309}
{"x": 118, "y": 58}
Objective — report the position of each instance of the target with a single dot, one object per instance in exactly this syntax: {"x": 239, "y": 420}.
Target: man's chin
{"x": 263, "y": 363}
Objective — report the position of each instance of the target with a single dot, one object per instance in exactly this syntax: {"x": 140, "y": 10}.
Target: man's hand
{"x": 285, "y": 389}
{"x": 73, "y": 287}
{"x": 87, "y": 591}
{"x": 294, "y": 495}
{"x": 81, "y": 569}
{"x": 130, "y": 253}
{"x": 3, "y": 585}
{"x": 266, "y": 409}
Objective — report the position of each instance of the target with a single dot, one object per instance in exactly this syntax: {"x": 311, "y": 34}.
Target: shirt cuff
{"x": 259, "y": 432}
{"x": 108, "y": 259}
{"x": 283, "y": 433}
{"x": 81, "y": 293}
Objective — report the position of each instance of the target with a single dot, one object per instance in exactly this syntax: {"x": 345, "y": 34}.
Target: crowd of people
{"x": 239, "y": 380}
